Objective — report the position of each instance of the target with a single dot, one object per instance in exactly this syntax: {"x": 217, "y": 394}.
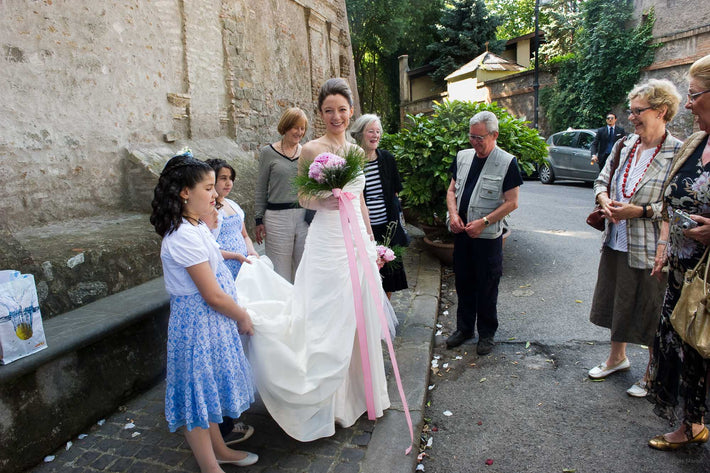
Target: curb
{"x": 413, "y": 348}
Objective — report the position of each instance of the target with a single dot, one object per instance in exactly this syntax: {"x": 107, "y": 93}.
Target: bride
{"x": 305, "y": 351}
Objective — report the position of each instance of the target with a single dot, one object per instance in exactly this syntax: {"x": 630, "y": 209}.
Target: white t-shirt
{"x": 187, "y": 246}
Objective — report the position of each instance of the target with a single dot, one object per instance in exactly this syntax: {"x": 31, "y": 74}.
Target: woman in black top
{"x": 381, "y": 196}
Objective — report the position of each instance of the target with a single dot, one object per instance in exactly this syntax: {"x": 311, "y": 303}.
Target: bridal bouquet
{"x": 329, "y": 171}
{"x": 384, "y": 255}
{"x": 390, "y": 257}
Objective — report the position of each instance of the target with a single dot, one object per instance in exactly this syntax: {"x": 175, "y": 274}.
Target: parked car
{"x": 569, "y": 157}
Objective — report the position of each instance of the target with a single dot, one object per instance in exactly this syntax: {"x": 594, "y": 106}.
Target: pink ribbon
{"x": 349, "y": 223}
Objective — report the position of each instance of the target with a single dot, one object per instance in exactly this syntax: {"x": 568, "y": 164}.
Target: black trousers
{"x": 478, "y": 266}
{"x": 601, "y": 160}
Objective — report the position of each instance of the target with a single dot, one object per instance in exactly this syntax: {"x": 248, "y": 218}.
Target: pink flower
{"x": 324, "y": 162}
{"x": 385, "y": 253}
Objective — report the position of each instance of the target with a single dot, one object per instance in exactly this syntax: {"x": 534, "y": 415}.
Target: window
{"x": 585, "y": 140}
{"x": 565, "y": 138}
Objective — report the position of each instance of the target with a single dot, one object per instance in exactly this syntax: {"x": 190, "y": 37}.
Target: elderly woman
{"x": 627, "y": 299}
{"x": 276, "y": 205}
{"x": 677, "y": 368}
{"x": 382, "y": 184}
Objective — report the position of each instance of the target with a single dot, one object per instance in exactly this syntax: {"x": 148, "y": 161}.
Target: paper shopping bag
{"x": 21, "y": 330}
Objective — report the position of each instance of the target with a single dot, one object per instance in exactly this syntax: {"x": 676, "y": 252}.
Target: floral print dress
{"x": 676, "y": 368}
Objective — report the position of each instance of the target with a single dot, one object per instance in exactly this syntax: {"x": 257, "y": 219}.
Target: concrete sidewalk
{"x": 136, "y": 438}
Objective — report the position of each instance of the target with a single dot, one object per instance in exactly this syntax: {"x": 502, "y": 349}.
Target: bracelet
{"x": 662, "y": 242}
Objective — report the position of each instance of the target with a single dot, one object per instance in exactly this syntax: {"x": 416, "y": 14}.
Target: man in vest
{"x": 483, "y": 190}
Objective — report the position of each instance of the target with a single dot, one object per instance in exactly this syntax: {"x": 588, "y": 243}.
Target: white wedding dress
{"x": 305, "y": 353}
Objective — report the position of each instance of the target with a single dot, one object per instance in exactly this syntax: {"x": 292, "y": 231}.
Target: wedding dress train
{"x": 304, "y": 353}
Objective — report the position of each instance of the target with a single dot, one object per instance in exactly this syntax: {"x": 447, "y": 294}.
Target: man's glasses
{"x": 610, "y": 117}
{"x": 692, "y": 97}
{"x": 637, "y": 111}
{"x": 477, "y": 137}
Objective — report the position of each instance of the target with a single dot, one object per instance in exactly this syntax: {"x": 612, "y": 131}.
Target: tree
{"x": 518, "y": 17}
{"x": 559, "y": 21}
{"x": 464, "y": 28}
{"x": 606, "y": 63}
{"x": 382, "y": 30}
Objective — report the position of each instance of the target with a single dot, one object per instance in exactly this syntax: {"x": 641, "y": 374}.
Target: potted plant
{"x": 427, "y": 147}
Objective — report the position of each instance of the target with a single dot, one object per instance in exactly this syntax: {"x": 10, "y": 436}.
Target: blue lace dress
{"x": 208, "y": 375}
{"x": 230, "y": 236}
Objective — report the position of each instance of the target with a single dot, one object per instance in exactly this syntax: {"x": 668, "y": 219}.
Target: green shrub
{"x": 427, "y": 147}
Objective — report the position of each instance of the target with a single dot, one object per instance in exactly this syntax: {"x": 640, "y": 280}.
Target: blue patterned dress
{"x": 208, "y": 375}
{"x": 230, "y": 236}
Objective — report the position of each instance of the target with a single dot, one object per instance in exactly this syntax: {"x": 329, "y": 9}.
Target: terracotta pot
{"x": 445, "y": 251}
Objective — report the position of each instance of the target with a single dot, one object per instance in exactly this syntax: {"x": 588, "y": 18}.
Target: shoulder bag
{"x": 691, "y": 315}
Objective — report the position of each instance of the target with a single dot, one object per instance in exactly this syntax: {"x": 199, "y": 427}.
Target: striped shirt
{"x": 617, "y": 236}
{"x": 374, "y": 198}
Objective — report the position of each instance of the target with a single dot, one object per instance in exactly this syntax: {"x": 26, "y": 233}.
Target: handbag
{"x": 691, "y": 315}
{"x": 596, "y": 217}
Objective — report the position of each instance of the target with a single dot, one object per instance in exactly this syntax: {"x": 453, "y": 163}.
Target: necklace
{"x": 628, "y": 166}
{"x": 283, "y": 150}
{"x": 191, "y": 219}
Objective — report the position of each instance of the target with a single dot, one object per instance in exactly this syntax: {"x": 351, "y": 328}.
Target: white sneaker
{"x": 602, "y": 371}
{"x": 638, "y": 389}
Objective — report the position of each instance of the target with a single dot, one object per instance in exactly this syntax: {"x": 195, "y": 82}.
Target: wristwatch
{"x": 486, "y": 222}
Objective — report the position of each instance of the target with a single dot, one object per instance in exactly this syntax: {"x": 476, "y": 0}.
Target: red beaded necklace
{"x": 628, "y": 166}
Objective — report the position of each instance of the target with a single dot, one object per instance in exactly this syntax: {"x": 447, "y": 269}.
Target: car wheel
{"x": 546, "y": 175}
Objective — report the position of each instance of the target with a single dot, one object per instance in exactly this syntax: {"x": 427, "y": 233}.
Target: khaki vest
{"x": 488, "y": 193}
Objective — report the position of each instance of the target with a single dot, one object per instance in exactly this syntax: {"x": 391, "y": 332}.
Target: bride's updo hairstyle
{"x": 335, "y": 86}
{"x": 179, "y": 172}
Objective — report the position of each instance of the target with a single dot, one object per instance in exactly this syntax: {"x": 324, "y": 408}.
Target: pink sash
{"x": 349, "y": 223}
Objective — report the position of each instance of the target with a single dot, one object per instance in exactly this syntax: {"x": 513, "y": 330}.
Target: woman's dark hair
{"x": 179, "y": 172}
{"x": 335, "y": 86}
{"x": 218, "y": 164}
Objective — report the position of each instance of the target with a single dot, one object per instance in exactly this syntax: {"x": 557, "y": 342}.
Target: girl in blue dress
{"x": 208, "y": 376}
{"x": 231, "y": 234}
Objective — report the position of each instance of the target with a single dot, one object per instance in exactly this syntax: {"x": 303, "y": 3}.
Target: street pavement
{"x": 136, "y": 439}
{"x": 529, "y": 406}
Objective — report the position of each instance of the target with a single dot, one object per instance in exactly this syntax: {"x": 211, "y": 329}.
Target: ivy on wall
{"x": 607, "y": 60}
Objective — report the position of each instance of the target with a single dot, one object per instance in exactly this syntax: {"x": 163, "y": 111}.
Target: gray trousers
{"x": 286, "y": 232}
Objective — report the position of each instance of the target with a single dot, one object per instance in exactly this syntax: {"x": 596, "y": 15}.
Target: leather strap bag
{"x": 596, "y": 217}
{"x": 691, "y": 315}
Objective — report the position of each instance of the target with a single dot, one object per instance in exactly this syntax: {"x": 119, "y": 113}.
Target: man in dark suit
{"x": 605, "y": 139}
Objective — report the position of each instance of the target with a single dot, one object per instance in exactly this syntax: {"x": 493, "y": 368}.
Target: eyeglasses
{"x": 637, "y": 111}
{"x": 610, "y": 117}
{"x": 692, "y": 97}
{"x": 477, "y": 137}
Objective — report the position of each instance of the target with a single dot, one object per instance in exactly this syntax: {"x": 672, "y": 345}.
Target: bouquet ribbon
{"x": 349, "y": 223}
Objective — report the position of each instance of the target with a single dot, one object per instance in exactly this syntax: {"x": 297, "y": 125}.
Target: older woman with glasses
{"x": 627, "y": 299}
{"x": 677, "y": 368}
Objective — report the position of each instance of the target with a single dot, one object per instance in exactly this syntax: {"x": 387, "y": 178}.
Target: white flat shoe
{"x": 250, "y": 459}
{"x": 602, "y": 371}
{"x": 638, "y": 389}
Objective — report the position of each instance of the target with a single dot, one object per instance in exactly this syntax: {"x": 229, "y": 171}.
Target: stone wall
{"x": 515, "y": 93}
{"x": 85, "y": 80}
{"x": 682, "y": 30}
